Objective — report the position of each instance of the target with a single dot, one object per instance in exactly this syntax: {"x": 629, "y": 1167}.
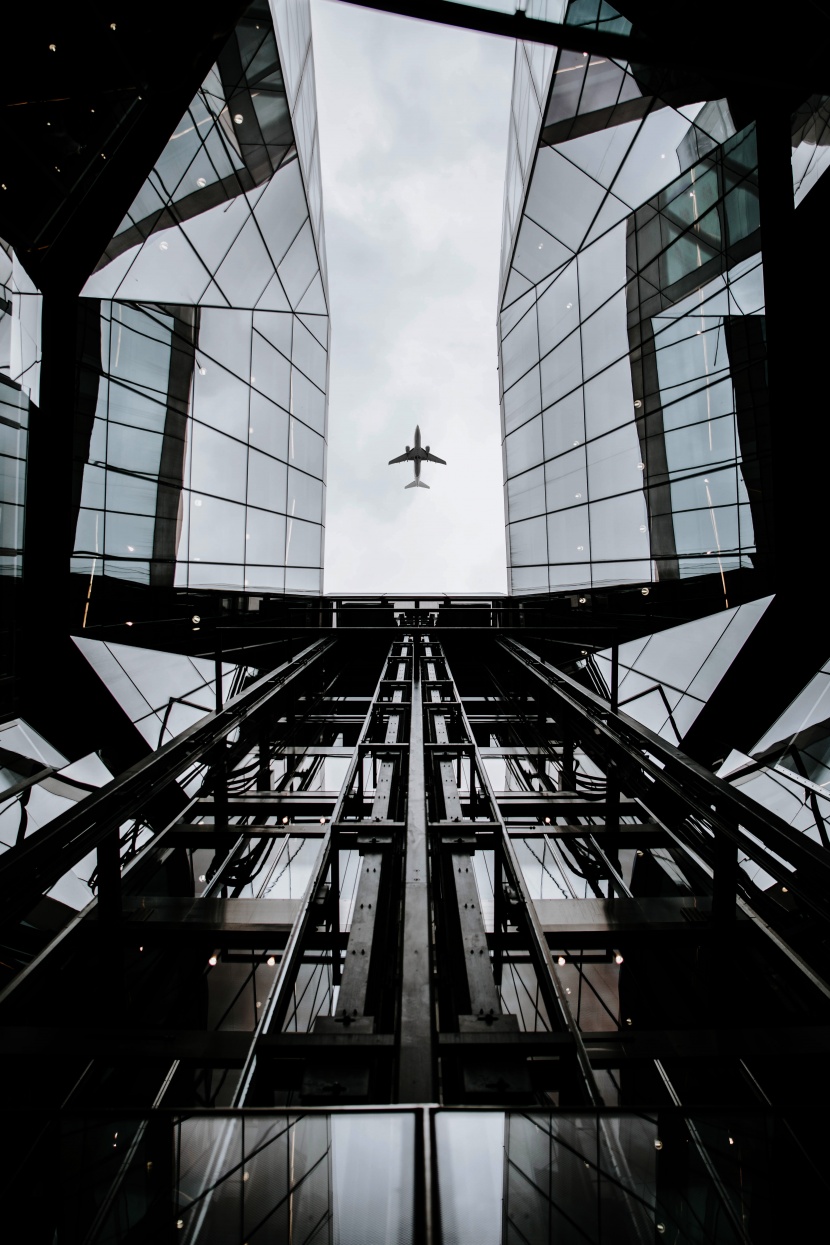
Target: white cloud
{"x": 413, "y": 132}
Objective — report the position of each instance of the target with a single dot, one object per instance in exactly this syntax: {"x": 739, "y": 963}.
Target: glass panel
{"x": 528, "y": 543}
{"x": 523, "y": 448}
{"x": 470, "y": 1162}
{"x": 526, "y": 494}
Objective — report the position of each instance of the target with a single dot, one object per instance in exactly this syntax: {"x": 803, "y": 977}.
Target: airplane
{"x": 416, "y": 455}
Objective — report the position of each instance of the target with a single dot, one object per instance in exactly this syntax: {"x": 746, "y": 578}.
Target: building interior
{"x": 452, "y": 919}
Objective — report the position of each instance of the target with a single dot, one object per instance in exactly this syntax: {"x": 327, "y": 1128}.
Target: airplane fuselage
{"x": 417, "y": 454}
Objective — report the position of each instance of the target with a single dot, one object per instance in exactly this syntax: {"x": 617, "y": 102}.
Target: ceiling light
{"x": 561, "y": 961}
{"x": 637, "y": 403}
{"x": 129, "y": 624}
{"x": 52, "y": 47}
{"x": 238, "y": 118}
{"x": 131, "y": 548}
{"x": 201, "y": 181}
{"x": 582, "y": 600}
{"x": 658, "y": 1145}
{"x": 203, "y": 371}
{"x": 270, "y": 961}
{"x": 213, "y": 961}
{"x": 547, "y": 821}
{"x": 197, "y": 618}
{"x": 202, "y": 877}
{"x": 644, "y": 591}
{"x": 541, "y": 244}
{"x": 618, "y": 958}
{"x": 322, "y": 821}
{"x": 642, "y": 527}
{"x": 163, "y": 245}
{"x": 285, "y": 821}
{"x": 112, "y": 25}
{"x": 641, "y": 466}
{"x": 568, "y": 307}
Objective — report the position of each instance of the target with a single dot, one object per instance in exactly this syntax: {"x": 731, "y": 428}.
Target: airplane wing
{"x": 433, "y": 458}
{"x": 402, "y": 458}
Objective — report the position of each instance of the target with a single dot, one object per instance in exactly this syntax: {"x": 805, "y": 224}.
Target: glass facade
{"x": 20, "y": 303}
{"x": 666, "y": 678}
{"x": 204, "y": 355}
{"x": 632, "y": 330}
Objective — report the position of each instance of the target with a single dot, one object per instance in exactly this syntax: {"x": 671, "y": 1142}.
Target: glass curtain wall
{"x": 632, "y": 330}
{"x": 20, "y": 302}
{"x": 204, "y": 339}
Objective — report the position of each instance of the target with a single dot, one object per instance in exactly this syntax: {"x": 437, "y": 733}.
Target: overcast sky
{"x": 413, "y": 134}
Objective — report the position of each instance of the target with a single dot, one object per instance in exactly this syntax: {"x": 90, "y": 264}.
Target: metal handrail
{"x": 712, "y": 800}
{"x": 31, "y": 867}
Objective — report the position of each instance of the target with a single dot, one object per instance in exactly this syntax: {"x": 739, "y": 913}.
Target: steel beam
{"x": 416, "y": 1063}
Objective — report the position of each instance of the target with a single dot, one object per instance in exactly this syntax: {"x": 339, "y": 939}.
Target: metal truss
{"x": 410, "y": 866}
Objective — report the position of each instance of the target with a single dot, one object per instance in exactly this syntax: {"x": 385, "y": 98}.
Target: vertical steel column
{"x": 416, "y": 1060}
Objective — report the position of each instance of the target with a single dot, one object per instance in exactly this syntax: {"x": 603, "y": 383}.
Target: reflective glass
{"x": 523, "y": 448}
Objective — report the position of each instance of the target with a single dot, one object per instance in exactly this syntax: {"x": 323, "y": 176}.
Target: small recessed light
{"x": 582, "y": 600}
{"x": 112, "y": 25}
{"x": 568, "y": 307}
{"x": 642, "y": 527}
{"x": 201, "y": 181}
{"x": 641, "y": 466}
{"x": 270, "y": 961}
{"x": 52, "y": 47}
{"x": 644, "y": 591}
{"x": 197, "y": 618}
{"x": 129, "y": 624}
{"x": 561, "y": 961}
{"x": 203, "y": 371}
{"x": 238, "y": 118}
{"x": 202, "y": 877}
{"x": 213, "y": 961}
{"x": 658, "y": 1145}
{"x": 163, "y": 245}
{"x": 285, "y": 821}
{"x": 618, "y": 959}
{"x": 131, "y": 548}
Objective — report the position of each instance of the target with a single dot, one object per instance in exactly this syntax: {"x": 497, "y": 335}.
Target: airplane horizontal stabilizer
{"x": 417, "y": 484}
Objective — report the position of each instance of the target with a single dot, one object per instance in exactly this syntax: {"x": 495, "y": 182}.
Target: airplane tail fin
{"x": 417, "y": 484}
